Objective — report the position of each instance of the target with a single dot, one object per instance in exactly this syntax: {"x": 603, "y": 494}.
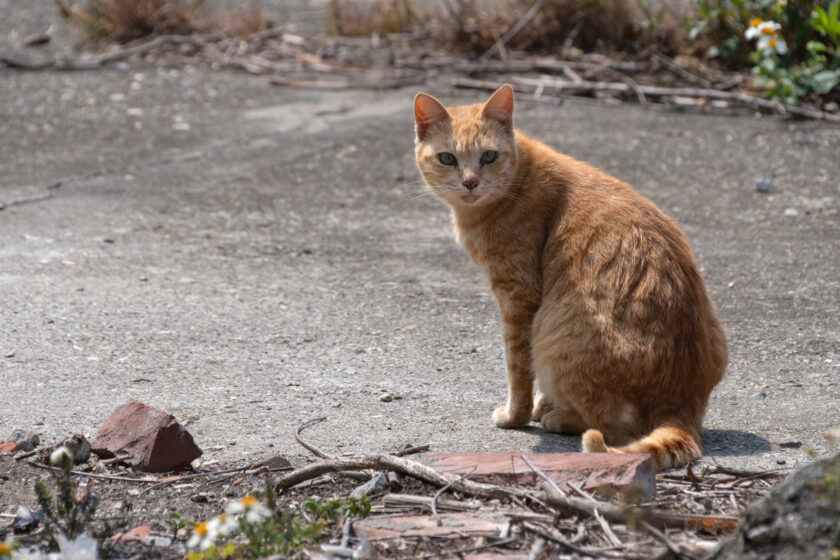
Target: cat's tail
{"x": 669, "y": 445}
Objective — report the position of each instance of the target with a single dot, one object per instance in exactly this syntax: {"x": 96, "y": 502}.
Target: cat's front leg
{"x": 520, "y": 379}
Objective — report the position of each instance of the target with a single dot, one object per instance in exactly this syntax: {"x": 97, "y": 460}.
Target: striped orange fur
{"x": 600, "y": 300}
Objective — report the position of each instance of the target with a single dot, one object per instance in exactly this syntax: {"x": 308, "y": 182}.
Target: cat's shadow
{"x": 715, "y": 442}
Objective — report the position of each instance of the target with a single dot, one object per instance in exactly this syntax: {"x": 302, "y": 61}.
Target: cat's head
{"x": 467, "y": 155}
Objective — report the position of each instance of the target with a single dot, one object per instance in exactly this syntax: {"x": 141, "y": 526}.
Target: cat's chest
{"x": 500, "y": 251}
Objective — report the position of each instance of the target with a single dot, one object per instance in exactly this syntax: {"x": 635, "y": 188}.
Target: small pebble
{"x": 386, "y": 397}
{"x": 763, "y": 185}
{"x": 205, "y": 498}
{"x": 792, "y": 212}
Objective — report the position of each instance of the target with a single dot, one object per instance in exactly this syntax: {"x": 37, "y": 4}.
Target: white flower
{"x": 767, "y": 44}
{"x": 82, "y": 547}
{"x": 60, "y": 455}
{"x": 202, "y": 537}
{"x": 252, "y": 508}
{"x": 767, "y": 33}
{"x": 257, "y": 513}
{"x": 222, "y": 524}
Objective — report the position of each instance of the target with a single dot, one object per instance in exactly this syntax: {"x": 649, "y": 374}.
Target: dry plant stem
{"x": 543, "y": 476}
{"x": 460, "y": 551}
{"x": 562, "y": 85}
{"x": 511, "y": 33}
{"x": 95, "y": 475}
{"x": 116, "y": 459}
{"x": 316, "y": 451}
{"x": 411, "y": 450}
{"x": 679, "y": 71}
{"x": 549, "y": 535}
{"x": 382, "y": 83}
{"x": 444, "y": 489}
{"x": 529, "y": 85}
{"x": 656, "y": 518}
{"x": 744, "y": 474}
{"x": 615, "y": 541}
{"x": 689, "y": 472}
{"x": 22, "y": 456}
{"x": 661, "y": 537}
{"x": 384, "y": 462}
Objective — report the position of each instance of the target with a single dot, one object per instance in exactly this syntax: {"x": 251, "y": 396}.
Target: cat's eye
{"x": 488, "y": 157}
{"x": 447, "y": 159}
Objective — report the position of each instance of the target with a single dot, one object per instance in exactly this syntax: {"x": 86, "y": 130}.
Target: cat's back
{"x": 610, "y": 244}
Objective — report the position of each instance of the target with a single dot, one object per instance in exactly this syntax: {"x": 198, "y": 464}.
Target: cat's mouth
{"x": 469, "y": 198}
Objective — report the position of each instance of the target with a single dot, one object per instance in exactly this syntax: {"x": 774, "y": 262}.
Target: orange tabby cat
{"x": 599, "y": 295}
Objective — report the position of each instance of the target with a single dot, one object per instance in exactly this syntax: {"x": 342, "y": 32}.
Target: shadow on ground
{"x": 718, "y": 443}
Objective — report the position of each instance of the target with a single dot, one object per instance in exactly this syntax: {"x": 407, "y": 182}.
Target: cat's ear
{"x": 499, "y": 107}
{"x": 428, "y": 112}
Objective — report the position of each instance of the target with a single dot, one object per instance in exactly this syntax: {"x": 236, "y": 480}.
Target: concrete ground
{"x": 248, "y": 257}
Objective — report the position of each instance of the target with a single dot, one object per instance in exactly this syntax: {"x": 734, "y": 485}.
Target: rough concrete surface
{"x": 247, "y": 257}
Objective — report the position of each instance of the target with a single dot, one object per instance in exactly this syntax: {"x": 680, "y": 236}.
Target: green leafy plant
{"x": 258, "y": 527}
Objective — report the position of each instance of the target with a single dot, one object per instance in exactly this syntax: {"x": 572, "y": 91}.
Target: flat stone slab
{"x": 452, "y": 525}
{"x": 604, "y": 472}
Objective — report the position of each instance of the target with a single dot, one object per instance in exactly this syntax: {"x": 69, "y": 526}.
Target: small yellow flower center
{"x": 223, "y": 517}
{"x": 772, "y": 43}
{"x": 249, "y": 501}
{"x": 201, "y": 528}
{"x": 4, "y": 548}
{"x": 768, "y": 31}
{"x": 755, "y": 22}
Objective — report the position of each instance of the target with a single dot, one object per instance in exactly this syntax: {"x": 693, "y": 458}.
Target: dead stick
{"x": 528, "y": 85}
{"x": 605, "y": 525}
{"x": 458, "y": 552}
{"x": 550, "y": 536}
{"x": 543, "y": 476}
{"x": 783, "y": 108}
{"x": 680, "y": 71}
{"x": 383, "y": 462}
{"x": 309, "y": 446}
{"x": 22, "y": 456}
{"x": 658, "y": 518}
{"x": 411, "y": 450}
{"x": 384, "y": 83}
{"x": 634, "y": 85}
{"x": 94, "y": 475}
{"x": 663, "y": 538}
{"x": 115, "y": 459}
{"x": 745, "y": 474}
{"x": 444, "y": 489}
{"x": 511, "y": 33}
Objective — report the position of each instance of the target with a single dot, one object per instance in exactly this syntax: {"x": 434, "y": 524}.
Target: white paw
{"x": 503, "y": 418}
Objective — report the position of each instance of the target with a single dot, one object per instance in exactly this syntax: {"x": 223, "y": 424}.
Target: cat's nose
{"x": 470, "y": 183}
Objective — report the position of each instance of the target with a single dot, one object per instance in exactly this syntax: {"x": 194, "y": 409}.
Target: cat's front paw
{"x": 504, "y": 418}
{"x": 541, "y": 407}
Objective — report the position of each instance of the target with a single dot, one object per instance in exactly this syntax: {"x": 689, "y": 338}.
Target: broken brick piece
{"x": 153, "y": 440}
{"x": 8, "y": 447}
{"x": 138, "y": 534}
{"x": 604, "y": 472}
{"x": 452, "y": 524}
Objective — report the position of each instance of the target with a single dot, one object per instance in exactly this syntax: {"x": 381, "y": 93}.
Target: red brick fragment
{"x": 137, "y": 534}
{"x": 8, "y": 447}
{"x": 153, "y": 439}
{"x": 604, "y": 472}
